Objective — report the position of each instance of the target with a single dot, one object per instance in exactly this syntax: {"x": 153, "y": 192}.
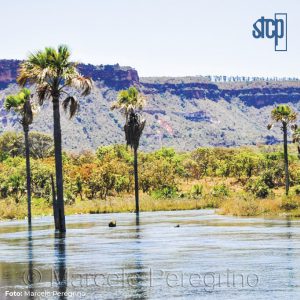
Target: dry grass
{"x": 237, "y": 203}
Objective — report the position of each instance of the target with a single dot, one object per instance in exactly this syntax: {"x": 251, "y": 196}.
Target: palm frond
{"x": 21, "y": 104}
{"x": 133, "y": 128}
{"x": 129, "y": 100}
{"x": 82, "y": 83}
{"x": 283, "y": 113}
{"x": 71, "y": 105}
{"x": 43, "y": 93}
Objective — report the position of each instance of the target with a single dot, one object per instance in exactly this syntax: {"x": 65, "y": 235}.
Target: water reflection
{"x": 204, "y": 243}
{"x": 290, "y": 254}
{"x": 60, "y": 270}
{"x": 139, "y": 280}
{"x": 30, "y": 274}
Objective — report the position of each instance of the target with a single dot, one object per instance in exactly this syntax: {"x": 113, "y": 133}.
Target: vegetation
{"x": 22, "y": 105}
{"x": 238, "y": 181}
{"x": 52, "y": 74}
{"x": 296, "y": 137}
{"x": 131, "y": 102}
{"x": 284, "y": 115}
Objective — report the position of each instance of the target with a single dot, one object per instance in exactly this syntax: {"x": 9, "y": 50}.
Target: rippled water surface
{"x": 207, "y": 257}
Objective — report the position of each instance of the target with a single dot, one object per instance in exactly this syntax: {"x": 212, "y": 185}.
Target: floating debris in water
{"x": 112, "y": 223}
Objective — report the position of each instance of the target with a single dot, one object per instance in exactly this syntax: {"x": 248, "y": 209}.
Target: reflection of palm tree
{"x": 285, "y": 115}
{"x": 21, "y": 104}
{"x": 30, "y": 265}
{"x": 290, "y": 258}
{"x": 140, "y": 280}
{"x": 130, "y": 102}
{"x": 60, "y": 264}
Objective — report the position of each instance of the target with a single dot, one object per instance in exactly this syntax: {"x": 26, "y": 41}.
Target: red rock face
{"x": 117, "y": 78}
{"x": 113, "y": 76}
{"x": 8, "y": 70}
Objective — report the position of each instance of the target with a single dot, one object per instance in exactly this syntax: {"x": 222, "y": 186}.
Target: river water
{"x": 207, "y": 257}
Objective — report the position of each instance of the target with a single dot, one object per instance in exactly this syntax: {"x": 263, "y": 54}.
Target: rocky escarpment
{"x": 183, "y": 113}
{"x": 257, "y": 97}
{"x": 117, "y": 77}
{"x": 112, "y": 76}
{"x": 8, "y": 71}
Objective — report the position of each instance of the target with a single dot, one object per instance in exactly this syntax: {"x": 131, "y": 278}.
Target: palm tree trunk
{"x": 136, "y": 182}
{"x": 58, "y": 166}
{"x": 28, "y": 175}
{"x": 286, "y": 160}
{"x": 54, "y": 203}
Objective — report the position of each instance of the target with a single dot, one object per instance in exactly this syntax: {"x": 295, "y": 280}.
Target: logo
{"x": 272, "y": 29}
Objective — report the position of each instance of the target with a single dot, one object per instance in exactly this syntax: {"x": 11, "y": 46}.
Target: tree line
{"x": 52, "y": 76}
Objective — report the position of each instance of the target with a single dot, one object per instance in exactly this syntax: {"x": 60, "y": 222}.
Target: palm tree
{"x": 54, "y": 75}
{"x": 130, "y": 102}
{"x": 22, "y": 105}
{"x": 296, "y": 137}
{"x": 286, "y": 116}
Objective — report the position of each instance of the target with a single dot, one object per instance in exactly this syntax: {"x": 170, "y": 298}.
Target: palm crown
{"x": 21, "y": 104}
{"x": 51, "y": 71}
{"x": 283, "y": 113}
{"x": 129, "y": 100}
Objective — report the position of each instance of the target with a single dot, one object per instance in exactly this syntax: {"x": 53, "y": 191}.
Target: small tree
{"x": 21, "y": 104}
{"x": 286, "y": 116}
{"x": 130, "y": 102}
{"x": 296, "y": 137}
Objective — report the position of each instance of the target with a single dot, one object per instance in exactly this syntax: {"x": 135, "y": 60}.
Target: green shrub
{"x": 290, "y": 203}
{"x": 197, "y": 190}
{"x": 166, "y": 192}
{"x": 297, "y": 190}
{"x": 258, "y": 187}
{"x": 220, "y": 190}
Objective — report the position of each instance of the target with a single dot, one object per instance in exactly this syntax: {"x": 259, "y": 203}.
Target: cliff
{"x": 182, "y": 112}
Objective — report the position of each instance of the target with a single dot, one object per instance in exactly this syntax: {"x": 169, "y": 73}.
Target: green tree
{"x": 296, "y": 137}
{"x": 286, "y": 116}
{"x": 130, "y": 102}
{"x": 54, "y": 76}
{"x": 21, "y": 104}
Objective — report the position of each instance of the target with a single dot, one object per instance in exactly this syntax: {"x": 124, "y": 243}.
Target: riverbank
{"x": 240, "y": 204}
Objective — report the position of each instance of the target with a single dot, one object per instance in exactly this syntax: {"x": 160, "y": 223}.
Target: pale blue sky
{"x": 157, "y": 37}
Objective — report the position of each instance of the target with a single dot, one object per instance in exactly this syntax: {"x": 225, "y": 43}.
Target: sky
{"x": 156, "y": 37}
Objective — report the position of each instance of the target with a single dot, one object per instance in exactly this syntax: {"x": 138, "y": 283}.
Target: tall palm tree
{"x": 54, "y": 75}
{"x": 21, "y": 104}
{"x": 296, "y": 137}
{"x": 286, "y": 116}
{"x": 130, "y": 102}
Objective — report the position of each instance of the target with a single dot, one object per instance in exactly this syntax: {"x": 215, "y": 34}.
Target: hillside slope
{"x": 183, "y": 113}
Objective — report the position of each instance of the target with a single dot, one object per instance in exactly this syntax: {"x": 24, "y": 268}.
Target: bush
{"x": 166, "y": 192}
{"x": 297, "y": 190}
{"x": 220, "y": 190}
{"x": 197, "y": 190}
{"x": 258, "y": 188}
{"x": 290, "y": 203}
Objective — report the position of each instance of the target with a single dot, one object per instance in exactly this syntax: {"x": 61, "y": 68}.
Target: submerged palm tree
{"x": 286, "y": 116}
{"x": 22, "y": 105}
{"x": 296, "y": 137}
{"x": 130, "y": 102}
{"x": 53, "y": 74}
